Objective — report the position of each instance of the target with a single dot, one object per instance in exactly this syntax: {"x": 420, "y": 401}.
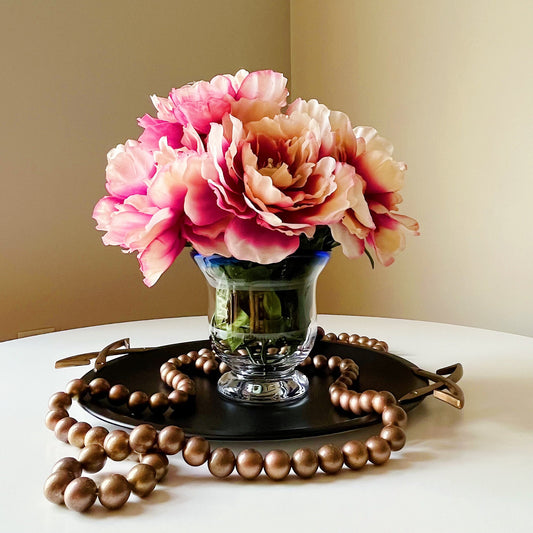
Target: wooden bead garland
{"x": 66, "y": 485}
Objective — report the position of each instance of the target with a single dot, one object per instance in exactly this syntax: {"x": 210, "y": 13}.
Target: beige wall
{"x": 450, "y": 82}
{"x": 75, "y": 75}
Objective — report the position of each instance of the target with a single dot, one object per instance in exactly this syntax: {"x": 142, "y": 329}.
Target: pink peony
{"x": 224, "y": 169}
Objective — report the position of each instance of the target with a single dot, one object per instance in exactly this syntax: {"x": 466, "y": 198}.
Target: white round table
{"x": 461, "y": 470}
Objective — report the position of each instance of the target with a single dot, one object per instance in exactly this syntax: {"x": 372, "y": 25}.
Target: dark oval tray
{"x": 214, "y": 417}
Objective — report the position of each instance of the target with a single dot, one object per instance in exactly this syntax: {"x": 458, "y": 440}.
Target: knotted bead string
{"x": 66, "y": 485}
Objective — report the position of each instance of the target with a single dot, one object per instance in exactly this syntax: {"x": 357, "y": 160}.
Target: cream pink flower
{"x": 222, "y": 168}
{"x": 269, "y": 175}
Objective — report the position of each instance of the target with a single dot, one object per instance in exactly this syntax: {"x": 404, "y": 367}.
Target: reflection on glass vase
{"x": 262, "y": 323}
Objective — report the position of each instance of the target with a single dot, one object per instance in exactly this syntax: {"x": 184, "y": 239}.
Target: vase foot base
{"x": 262, "y": 391}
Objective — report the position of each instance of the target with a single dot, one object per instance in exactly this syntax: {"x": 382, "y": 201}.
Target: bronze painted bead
{"x": 330, "y": 336}
{"x": 117, "y": 445}
{"x": 55, "y": 485}
{"x": 142, "y": 479}
{"x": 177, "y": 398}
{"x": 249, "y": 463}
{"x": 343, "y": 337}
{"x": 114, "y": 491}
{"x": 158, "y": 462}
{"x": 92, "y": 458}
{"x": 395, "y": 436}
{"x": 304, "y": 462}
{"x": 62, "y": 428}
{"x": 320, "y": 362}
{"x": 196, "y": 451}
{"x": 277, "y": 464}
{"x": 335, "y": 395}
{"x": 171, "y": 440}
{"x": 210, "y": 367}
{"x": 378, "y": 450}
{"x": 59, "y": 400}
{"x": 70, "y": 464}
{"x": 158, "y": 403}
{"x": 76, "y": 434}
{"x": 53, "y": 417}
{"x": 365, "y": 400}
{"x": 353, "y": 339}
{"x": 76, "y": 388}
{"x": 347, "y": 364}
{"x": 170, "y": 375}
{"x": 381, "y": 400}
{"x": 99, "y": 388}
{"x": 96, "y": 435}
{"x": 355, "y": 406}
{"x": 80, "y": 494}
{"x": 344, "y": 400}
{"x": 118, "y": 395}
{"x": 394, "y": 415}
{"x": 138, "y": 402}
{"x": 143, "y": 438}
{"x": 187, "y": 386}
{"x": 221, "y": 462}
{"x": 355, "y": 454}
{"x": 334, "y": 362}
{"x": 330, "y": 459}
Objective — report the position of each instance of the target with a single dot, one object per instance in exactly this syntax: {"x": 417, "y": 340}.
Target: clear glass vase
{"x": 262, "y": 323}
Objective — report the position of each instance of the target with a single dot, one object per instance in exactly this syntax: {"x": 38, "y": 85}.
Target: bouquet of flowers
{"x": 229, "y": 169}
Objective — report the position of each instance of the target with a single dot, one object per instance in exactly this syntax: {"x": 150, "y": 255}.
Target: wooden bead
{"x": 53, "y": 417}
{"x": 96, "y": 435}
{"x": 394, "y": 415}
{"x": 365, "y": 400}
{"x": 320, "y": 362}
{"x": 177, "y": 379}
{"x": 196, "y": 451}
{"x": 76, "y": 434}
{"x": 185, "y": 359}
{"x": 55, "y": 485}
{"x": 355, "y": 406}
{"x": 381, "y": 400}
{"x": 304, "y": 462}
{"x": 143, "y": 438}
{"x": 99, "y": 388}
{"x": 378, "y": 450}
{"x": 334, "y": 362}
{"x": 114, "y": 491}
{"x": 118, "y": 395}
{"x": 347, "y": 364}
{"x": 330, "y": 459}
{"x": 158, "y": 403}
{"x": 344, "y": 400}
{"x": 221, "y": 462}
{"x": 277, "y": 464}
{"x": 170, "y": 375}
{"x": 62, "y": 428}
{"x": 76, "y": 388}
{"x": 142, "y": 479}
{"x": 177, "y": 398}
{"x": 193, "y": 354}
{"x": 59, "y": 400}
{"x": 92, "y": 458}
{"x": 395, "y": 436}
{"x": 355, "y": 454}
{"x": 117, "y": 445}
{"x": 171, "y": 439}
{"x": 188, "y": 386}
{"x": 138, "y": 402}
{"x": 80, "y": 494}
{"x": 70, "y": 464}
{"x": 210, "y": 367}
{"x": 249, "y": 463}
{"x": 158, "y": 462}
{"x": 165, "y": 368}
{"x": 335, "y": 395}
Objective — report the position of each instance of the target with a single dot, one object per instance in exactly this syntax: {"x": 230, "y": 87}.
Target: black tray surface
{"x": 213, "y": 417}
